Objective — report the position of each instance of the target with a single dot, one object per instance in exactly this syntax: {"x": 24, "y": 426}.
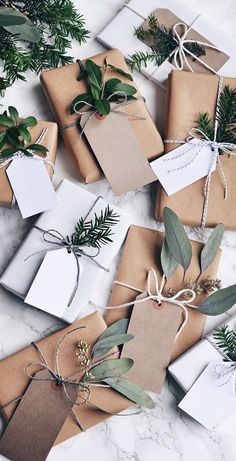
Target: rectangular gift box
{"x": 187, "y": 368}
{"x": 142, "y": 252}
{"x": 73, "y": 203}
{"x": 49, "y": 141}
{"x": 169, "y": 13}
{"x": 62, "y": 86}
{"x": 197, "y": 93}
{"x": 14, "y": 382}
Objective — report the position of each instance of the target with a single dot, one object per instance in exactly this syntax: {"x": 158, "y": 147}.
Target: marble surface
{"x": 163, "y": 433}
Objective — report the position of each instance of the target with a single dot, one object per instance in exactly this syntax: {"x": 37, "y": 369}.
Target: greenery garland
{"x": 41, "y": 41}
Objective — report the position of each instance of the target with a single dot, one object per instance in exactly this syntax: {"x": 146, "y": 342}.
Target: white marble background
{"x": 163, "y": 433}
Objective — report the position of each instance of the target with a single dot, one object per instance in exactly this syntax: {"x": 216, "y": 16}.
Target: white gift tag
{"x": 212, "y": 397}
{"x": 183, "y": 166}
{"x": 54, "y": 282}
{"x": 31, "y": 185}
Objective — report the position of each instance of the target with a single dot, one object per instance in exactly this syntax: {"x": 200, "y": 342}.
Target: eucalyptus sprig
{"x": 98, "y": 369}
{"x": 225, "y": 116}
{"x": 102, "y": 93}
{"x": 15, "y": 134}
{"x": 226, "y": 340}
{"x": 95, "y": 232}
{"x": 177, "y": 250}
{"x": 162, "y": 43}
{"x": 36, "y": 35}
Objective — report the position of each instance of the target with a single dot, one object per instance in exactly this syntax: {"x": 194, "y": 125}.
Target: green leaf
{"x": 29, "y": 121}
{"x": 211, "y": 247}
{"x": 110, "y": 369}
{"x": 6, "y": 121}
{"x": 8, "y": 152}
{"x": 177, "y": 239}
{"x": 26, "y": 31}
{"x": 96, "y": 93}
{"x": 24, "y": 133}
{"x": 105, "y": 345}
{"x": 168, "y": 263}
{"x": 131, "y": 391}
{"x": 219, "y": 302}
{"x": 2, "y": 139}
{"x": 11, "y": 17}
{"x": 125, "y": 88}
{"x": 103, "y": 106}
{"x": 79, "y": 102}
{"x": 116, "y": 328}
{"x": 37, "y": 147}
{"x": 27, "y": 153}
{"x": 94, "y": 74}
{"x": 13, "y": 113}
{"x": 12, "y": 137}
{"x": 120, "y": 71}
{"x": 110, "y": 85}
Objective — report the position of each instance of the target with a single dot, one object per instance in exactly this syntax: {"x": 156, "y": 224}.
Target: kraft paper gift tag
{"x": 197, "y": 93}
{"x": 37, "y": 420}
{"x": 169, "y": 12}
{"x": 154, "y": 331}
{"x": 113, "y": 140}
{"x": 61, "y": 86}
{"x": 141, "y": 252}
{"x": 14, "y": 381}
{"x": 50, "y": 141}
{"x": 212, "y": 397}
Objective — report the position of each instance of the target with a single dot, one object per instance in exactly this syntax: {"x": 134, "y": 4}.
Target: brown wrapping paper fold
{"x": 188, "y": 95}
{"x": 14, "y": 381}
{"x": 142, "y": 251}
{"x": 213, "y": 58}
{"x": 49, "y": 141}
{"x": 61, "y": 87}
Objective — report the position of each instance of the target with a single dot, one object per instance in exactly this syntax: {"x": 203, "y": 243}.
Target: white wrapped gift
{"x": 132, "y": 16}
{"x": 46, "y": 275}
{"x": 188, "y": 367}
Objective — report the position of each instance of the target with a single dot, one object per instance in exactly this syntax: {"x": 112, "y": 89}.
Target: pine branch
{"x": 141, "y": 59}
{"x": 204, "y": 123}
{"x": 97, "y": 232}
{"x": 226, "y": 340}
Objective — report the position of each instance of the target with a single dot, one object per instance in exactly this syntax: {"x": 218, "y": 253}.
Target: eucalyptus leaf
{"x": 103, "y": 106}
{"x": 219, "y": 302}
{"x": 120, "y": 71}
{"x": 125, "y": 88}
{"x": 13, "y": 113}
{"x": 26, "y": 31}
{"x": 110, "y": 85}
{"x": 131, "y": 391}
{"x": 116, "y": 328}
{"x": 110, "y": 369}
{"x": 94, "y": 74}
{"x": 11, "y": 17}
{"x": 6, "y": 121}
{"x": 211, "y": 247}
{"x": 79, "y": 102}
{"x": 168, "y": 263}
{"x": 105, "y": 345}
{"x": 30, "y": 121}
{"x": 177, "y": 239}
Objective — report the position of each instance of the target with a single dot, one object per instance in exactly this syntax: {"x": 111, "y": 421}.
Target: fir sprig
{"x": 225, "y": 116}
{"x": 95, "y": 232}
{"x": 162, "y": 43}
{"x": 226, "y": 340}
{"x": 57, "y": 22}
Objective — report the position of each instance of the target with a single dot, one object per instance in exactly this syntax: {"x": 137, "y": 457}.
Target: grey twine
{"x": 54, "y": 237}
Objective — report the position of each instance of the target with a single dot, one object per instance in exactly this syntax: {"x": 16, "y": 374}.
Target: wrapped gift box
{"x": 62, "y": 86}
{"x": 187, "y": 368}
{"x": 133, "y": 15}
{"x": 14, "y": 382}
{"x": 197, "y": 93}
{"x": 49, "y": 141}
{"x": 73, "y": 203}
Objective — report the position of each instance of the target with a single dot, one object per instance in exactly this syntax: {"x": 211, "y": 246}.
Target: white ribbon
{"x": 20, "y": 153}
{"x": 199, "y": 143}
{"x": 158, "y": 296}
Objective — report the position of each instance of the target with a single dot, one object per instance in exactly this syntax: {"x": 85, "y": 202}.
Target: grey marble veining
{"x": 164, "y": 433}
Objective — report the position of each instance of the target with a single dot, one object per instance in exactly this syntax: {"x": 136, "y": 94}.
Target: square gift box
{"x": 47, "y": 279}
{"x": 110, "y": 144}
{"x": 190, "y": 94}
{"x": 31, "y": 440}
{"x": 169, "y": 13}
{"x": 49, "y": 141}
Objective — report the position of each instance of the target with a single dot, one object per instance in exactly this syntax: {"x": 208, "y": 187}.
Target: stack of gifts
{"x": 166, "y": 284}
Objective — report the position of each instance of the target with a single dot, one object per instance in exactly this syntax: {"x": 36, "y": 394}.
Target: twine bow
{"x": 54, "y": 237}
{"x": 224, "y": 371}
{"x": 197, "y": 144}
{"x": 20, "y": 154}
{"x": 157, "y": 295}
